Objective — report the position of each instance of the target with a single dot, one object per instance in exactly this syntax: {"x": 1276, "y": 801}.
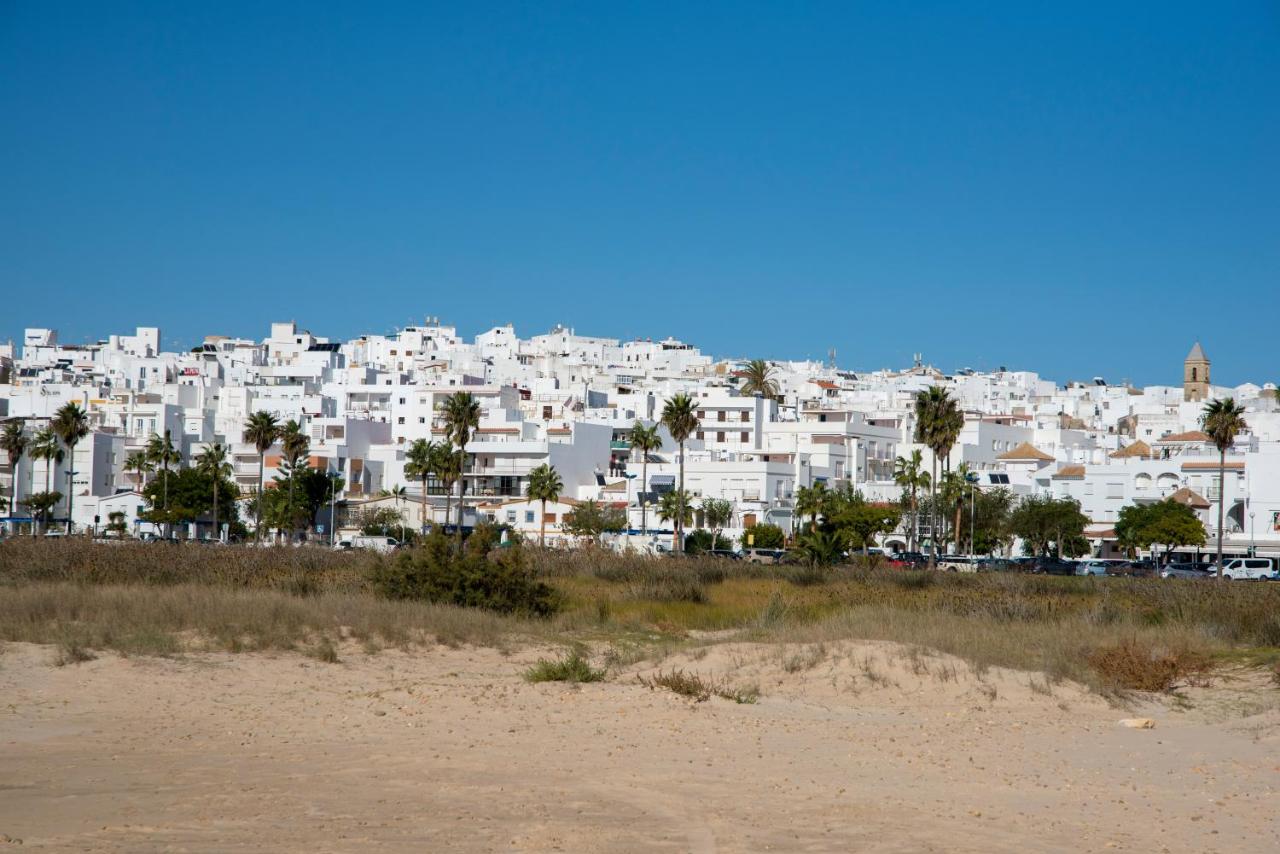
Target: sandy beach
{"x": 860, "y": 747}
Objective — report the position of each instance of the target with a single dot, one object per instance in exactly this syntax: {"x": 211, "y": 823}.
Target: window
{"x": 511, "y": 517}
{"x": 746, "y": 415}
{"x": 1115, "y": 490}
{"x": 422, "y": 419}
{"x": 746, "y": 437}
{"x": 402, "y": 401}
{"x": 699, "y": 434}
{"x": 400, "y": 420}
{"x": 528, "y": 517}
{"x": 720, "y": 436}
{"x": 546, "y": 412}
{"x": 549, "y": 518}
{"x": 721, "y": 415}
{"x": 701, "y": 415}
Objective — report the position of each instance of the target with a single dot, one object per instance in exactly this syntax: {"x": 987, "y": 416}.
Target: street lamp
{"x": 1253, "y": 545}
{"x": 972, "y": 477}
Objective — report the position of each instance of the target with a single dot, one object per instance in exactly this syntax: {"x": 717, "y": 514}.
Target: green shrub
{"x": 572, "y": 667}
{"x": 478, "y": 576}
{"x": 699, "y": 541}
{"x": 764, "y": 536}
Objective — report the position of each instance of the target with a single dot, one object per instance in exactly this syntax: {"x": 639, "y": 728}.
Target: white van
{"x": 1249, "y": 568}
{"x": 384, "y": 545}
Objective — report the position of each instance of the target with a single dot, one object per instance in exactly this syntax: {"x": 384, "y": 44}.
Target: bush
{"x": 764, "y": 536}
{"x": 696, "y": 688}
{"x": 573, "y": 667}
{"x": 1140, "y": 667}
{"x": 700, "y": 541}
{"x": 478, "y": 576}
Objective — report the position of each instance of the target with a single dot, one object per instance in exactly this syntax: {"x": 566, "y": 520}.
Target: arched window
{"x": 1193, "y": 374}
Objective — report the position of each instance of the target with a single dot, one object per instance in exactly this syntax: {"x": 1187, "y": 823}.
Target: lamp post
{"x": 1253, "y": 545}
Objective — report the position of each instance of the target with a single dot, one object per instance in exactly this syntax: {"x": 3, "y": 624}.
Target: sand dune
{"x": 851, "y": 747}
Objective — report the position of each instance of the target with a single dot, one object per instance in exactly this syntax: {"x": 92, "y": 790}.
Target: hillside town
{"x": 361, "y": 416}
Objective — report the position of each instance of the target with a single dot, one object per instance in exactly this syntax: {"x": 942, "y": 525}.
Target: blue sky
{"x": 1080, "y": 190}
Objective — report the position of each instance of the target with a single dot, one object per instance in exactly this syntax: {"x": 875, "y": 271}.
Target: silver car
{"x": 1096, "y": 566}
{"x": 1188, "y": 569}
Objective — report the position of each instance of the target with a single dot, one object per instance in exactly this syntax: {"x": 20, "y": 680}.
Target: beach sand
{"x": 851, "y": 747}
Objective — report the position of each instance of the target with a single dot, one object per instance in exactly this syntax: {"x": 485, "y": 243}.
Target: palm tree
{"x": 160, "y": 451}
{"x": 213, "y": 462}
{"x": 544, "y": 485}
{"x": 1222, "y": 420}
{"x": 14, "y": 443}
{"x": 955, "y": 485}
{"x": 675, "y": 507}
{"x": 718, "y": 514}
{"x": 461, "y": 416}
{"x": 757, "y": 378}
{"x": 810, "y": 501}
{"x": 261, "y": 430}
{"x": 399, "y": 493}
{"x": 71, "y": 424}
{"x": 138, "y": 463}
{"x": 644, "y": 440}
{"x": 909, "y": 473}
{"x": 448, "y": 468}
{"x": 936, "y": 428}
{"x": 680, "y": 417}
{"x": 419, "y": 462}
{"x": 46, "y": 446}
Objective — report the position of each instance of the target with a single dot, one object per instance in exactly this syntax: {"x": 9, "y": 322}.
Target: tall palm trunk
{"x": 933, "y": 515}
{"x": 48, "y": 477}
{"x": 215, "y": 507}
{"x": 542, "y": 525}
{"x": 257, "y": 523}
{"x": 71, "y": 483}
{"x": 423, "y": 512}
{"x": 1222, "y": 502}
{"x": 448, "y": 504}
{"x": 644, "y": 488}
{"x": 915, "y": 520}
{"x": 462, "y": 488}
{"x": 679, "y": 543}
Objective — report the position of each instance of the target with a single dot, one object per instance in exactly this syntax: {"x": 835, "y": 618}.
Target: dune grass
{"x": 161, "y": 600}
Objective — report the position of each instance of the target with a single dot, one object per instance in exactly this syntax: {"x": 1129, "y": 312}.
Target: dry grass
{"x": 698, "y": 688}
{"x": 1112, "y": 634}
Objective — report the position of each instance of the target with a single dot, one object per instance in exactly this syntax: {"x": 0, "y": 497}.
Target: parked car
{"x": 1132, "y": 569}
{"x": 1052, "y": 566}
{"x": 1188, "y": 569}
{"x": 998, "y": 564}
{"x": 1097, "y": 566}
{"x": 1248, "y": 569}
{"x": 384, "y": 545}
{"x": 764, "y": 555}
{"x": 727, "y": 554}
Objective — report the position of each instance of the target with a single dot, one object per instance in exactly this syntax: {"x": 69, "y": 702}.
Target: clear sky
{"x": 1080, "y": 190}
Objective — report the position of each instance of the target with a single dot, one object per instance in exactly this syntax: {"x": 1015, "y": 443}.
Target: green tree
{"x": 461, "y": 417}
{"x": 138, "y": 463}
{"x": 1042, "y": 521}
{"x": 592, "y": 519}
{"x": 810, "y": 501}
{"x": 544, "y": 485}
{"x": 680, "y": 417}
{"x": 764, "y": 536}
{"x": 717, "y": 513}
{"x": 644, "y": 441}
{"x": 261, "y": 431}
{"x": 14, "y": 443}
{"x": 71, "y": 424}
{"x": 955, "y": 489}
{"x": 41, "y": 504}
{"x": 936, "y": 416}
{"x": 213, "y": 462}
{"x": 116, "y": 523}
{"x": 1223, "y": 420}
{"x": 989, "y": 520}
{"x": 46, "y": 446}
{"x": 757, "y": 378}
{"x": 860, "y": 522}
{"x": 909, "y": 473}
{"x": 820, "y": 547}
{"x": 161, "y": 452}
{"x": 295, "y": 447}
{"x": 190, "y": 492}
{"x": 1167, "y": 523}
{"x": 420, "y": 462}
{"x": 675, "y": 507}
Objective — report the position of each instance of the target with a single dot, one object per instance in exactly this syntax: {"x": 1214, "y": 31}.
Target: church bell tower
{"x": 1195, "y": 375}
